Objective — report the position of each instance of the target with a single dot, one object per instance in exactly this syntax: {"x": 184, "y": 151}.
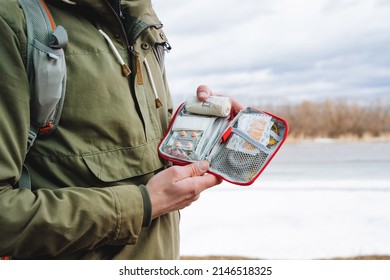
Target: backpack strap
{"x": 46, "y": 67}
{"x": 46, "y": 70}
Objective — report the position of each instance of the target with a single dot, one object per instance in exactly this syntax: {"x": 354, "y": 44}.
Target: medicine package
{"x": 238, "y": 149}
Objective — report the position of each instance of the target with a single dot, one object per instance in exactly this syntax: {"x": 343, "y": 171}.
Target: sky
{"x": 278, "y": 51}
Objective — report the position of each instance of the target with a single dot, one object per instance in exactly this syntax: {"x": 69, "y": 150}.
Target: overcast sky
{"x": 279, "y": 50}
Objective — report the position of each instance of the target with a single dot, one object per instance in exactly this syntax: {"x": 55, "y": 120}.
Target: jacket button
{"x": 117, "y": 36}
{"x": 162, "y": 36}
{"x": 145, "y": 46}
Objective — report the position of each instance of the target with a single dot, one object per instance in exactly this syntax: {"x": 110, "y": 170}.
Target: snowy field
{"x": 315, "y": 200}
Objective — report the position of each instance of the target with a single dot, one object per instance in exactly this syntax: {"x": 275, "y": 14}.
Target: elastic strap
{"x": 25, "y": 179}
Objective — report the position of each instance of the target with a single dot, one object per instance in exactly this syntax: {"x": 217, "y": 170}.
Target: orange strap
{"x": 52, "y": 24}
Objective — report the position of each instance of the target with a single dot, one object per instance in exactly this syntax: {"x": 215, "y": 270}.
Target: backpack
{"x": 46, "y": 70}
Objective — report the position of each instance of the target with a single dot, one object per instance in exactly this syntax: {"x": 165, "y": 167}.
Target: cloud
{"x": 279, "y": 50}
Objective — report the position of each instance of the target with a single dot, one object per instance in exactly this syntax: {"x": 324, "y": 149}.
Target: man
{"x": 99, "y": 189}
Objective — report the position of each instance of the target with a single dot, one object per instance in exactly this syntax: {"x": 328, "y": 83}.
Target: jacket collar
{"x": 139, "y": 14}
{"x": 139, "y": 9}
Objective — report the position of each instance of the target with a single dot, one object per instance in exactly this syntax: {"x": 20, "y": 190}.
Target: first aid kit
{"x": 238, "y": 148}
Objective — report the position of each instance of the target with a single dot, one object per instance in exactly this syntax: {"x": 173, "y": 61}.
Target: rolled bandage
{"x": 218, "y": 106}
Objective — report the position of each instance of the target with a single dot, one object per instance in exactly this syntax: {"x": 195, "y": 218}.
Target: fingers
{"x": 178, "y": 186}
{"x": 196, "y": 185}
{"x": 208, "y": 181}
{"x": 203, "y": 92}
{"x": 236, "y": 106}
{"x": 194, "y": 176}
{"x": 194, "y": 169}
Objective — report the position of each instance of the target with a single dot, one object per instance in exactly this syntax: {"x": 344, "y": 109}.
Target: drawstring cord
{"x": 125, "y": 69}
{"x": 157, "y": 100}
{"x": 69, "y": 2}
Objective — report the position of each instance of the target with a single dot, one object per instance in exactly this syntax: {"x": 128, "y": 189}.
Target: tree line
{"x": 335, "y": 119}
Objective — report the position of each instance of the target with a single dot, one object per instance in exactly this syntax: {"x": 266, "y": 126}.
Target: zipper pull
{"x": 140, "y": 79}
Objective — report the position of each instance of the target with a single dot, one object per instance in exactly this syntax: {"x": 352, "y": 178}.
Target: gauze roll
{"x": 218, "y": 106}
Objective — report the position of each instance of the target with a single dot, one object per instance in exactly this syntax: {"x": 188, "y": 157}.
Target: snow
{"x": 296, "y": 217}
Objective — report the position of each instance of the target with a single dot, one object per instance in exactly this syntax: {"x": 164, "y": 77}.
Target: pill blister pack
{"x": 238, "y": 149}
{"x": 182, "y": 144}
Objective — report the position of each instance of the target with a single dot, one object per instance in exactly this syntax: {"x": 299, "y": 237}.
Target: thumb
{"x": 203, "y": 92}
{"x": 195, "y": 169}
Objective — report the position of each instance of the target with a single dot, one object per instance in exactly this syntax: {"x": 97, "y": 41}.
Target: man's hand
{"x": 203, "y": 92}
{"x": 178, "y": 186}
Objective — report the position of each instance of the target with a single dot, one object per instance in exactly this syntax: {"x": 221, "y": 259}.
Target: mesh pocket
{"x": 238, "y": 166}
{"x": 49, "y": 82}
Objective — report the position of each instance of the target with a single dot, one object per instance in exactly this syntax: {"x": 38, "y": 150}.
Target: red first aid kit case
{"x": 238, "y": 148}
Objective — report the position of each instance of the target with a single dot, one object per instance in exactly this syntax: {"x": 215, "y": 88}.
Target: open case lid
{"x": 237, "y": 149}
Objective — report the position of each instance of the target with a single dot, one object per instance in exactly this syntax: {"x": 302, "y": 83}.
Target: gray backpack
{"x": 46, "y": 71}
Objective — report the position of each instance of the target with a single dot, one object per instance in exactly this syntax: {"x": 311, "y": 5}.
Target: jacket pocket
{"x": 125, "y": 163}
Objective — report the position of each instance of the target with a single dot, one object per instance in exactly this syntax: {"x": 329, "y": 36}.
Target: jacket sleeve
{"x": 64, "y": 221}
{"x": 52, "y": 222}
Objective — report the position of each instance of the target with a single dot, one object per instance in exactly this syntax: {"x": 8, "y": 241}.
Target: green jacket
{"x": 89, "y": 199}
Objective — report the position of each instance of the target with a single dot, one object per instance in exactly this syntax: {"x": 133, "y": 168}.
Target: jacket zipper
{"x": 125, "y": 69}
